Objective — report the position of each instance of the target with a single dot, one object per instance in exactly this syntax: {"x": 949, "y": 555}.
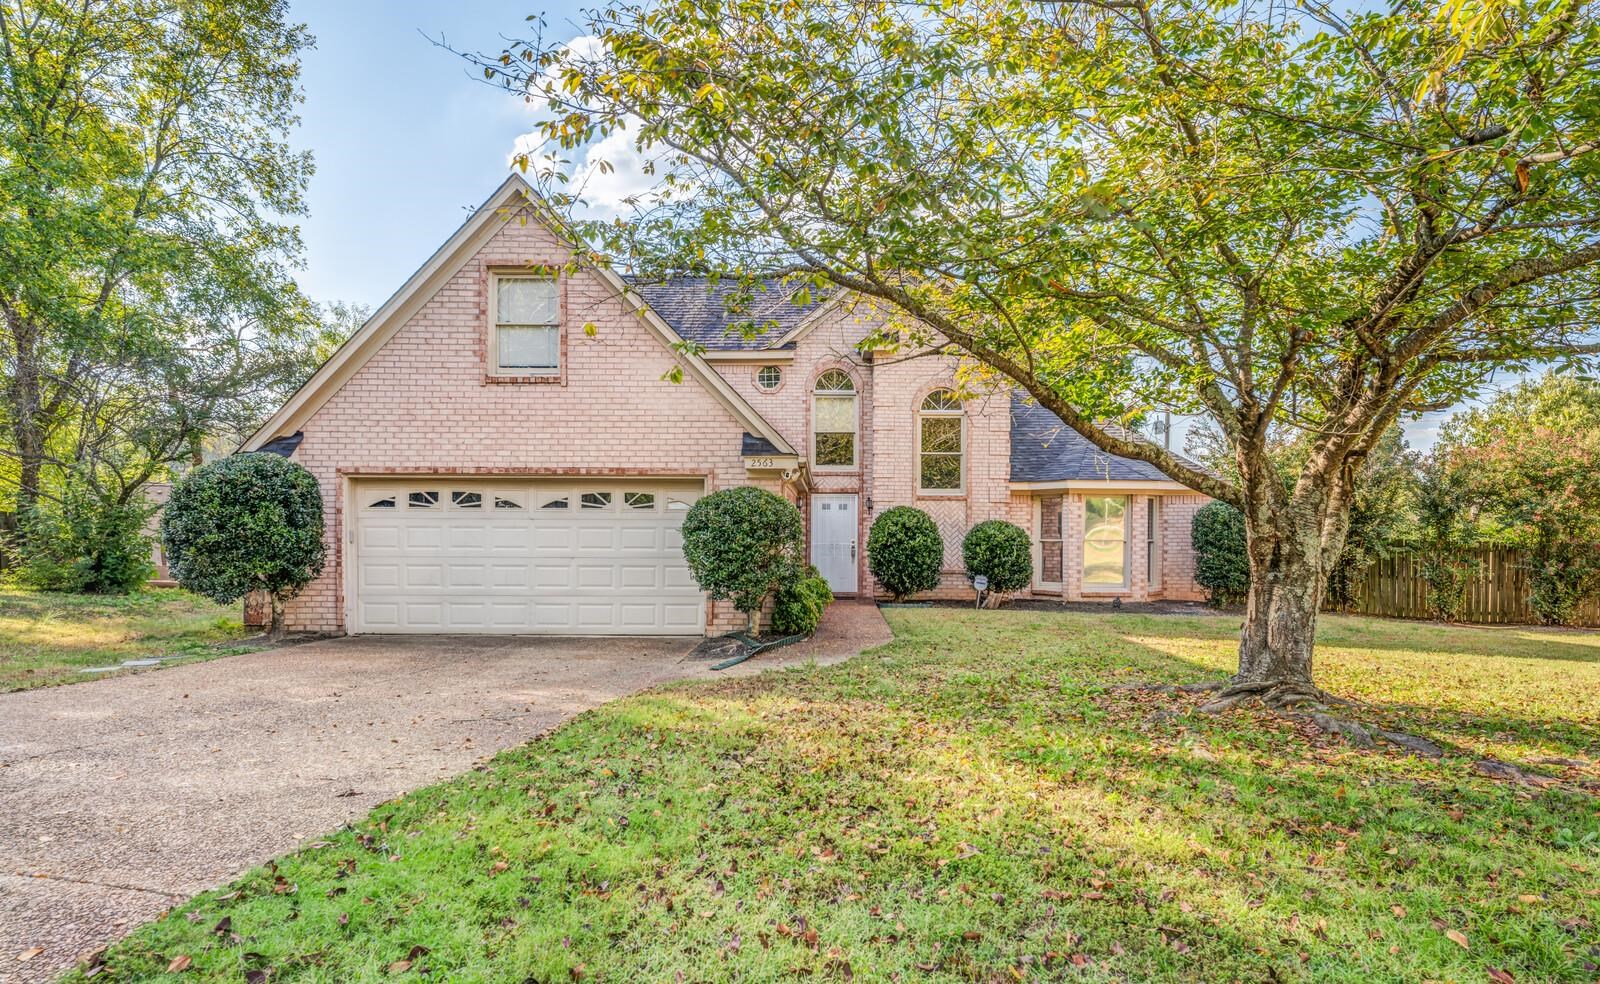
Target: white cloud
{"x": 605, "y": 173}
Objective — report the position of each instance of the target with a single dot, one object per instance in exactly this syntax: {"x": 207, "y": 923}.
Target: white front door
{"x": 833, "y": 540}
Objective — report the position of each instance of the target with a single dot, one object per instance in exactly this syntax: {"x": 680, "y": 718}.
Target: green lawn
{"x": 974, "y": 803}
{"x": 48, "y": 638}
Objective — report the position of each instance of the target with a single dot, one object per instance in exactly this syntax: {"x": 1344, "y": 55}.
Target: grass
{"x": 48, "y": 638}
{"x": 973, "y": 802}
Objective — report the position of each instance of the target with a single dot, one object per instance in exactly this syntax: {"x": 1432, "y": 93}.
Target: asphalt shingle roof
{"x": 1043, "y": 449}
{"x": 698, "y": 310}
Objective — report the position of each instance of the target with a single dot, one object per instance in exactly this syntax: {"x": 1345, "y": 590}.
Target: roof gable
{"x": 446, "y": 261}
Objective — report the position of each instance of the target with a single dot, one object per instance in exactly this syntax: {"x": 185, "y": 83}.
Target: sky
{"x": 407, "y": 138}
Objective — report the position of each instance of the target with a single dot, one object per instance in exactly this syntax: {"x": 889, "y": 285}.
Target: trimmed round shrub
{"x": 1221, "y": 562}
{"x": 1001, "y": 552}
{"x": 798, "y": 607}
{"x": 905, "y": 551}
{"x": 252, "y": 522}
{"x": 742, "y": 544}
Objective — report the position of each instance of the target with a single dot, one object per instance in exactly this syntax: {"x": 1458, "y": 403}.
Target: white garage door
{"x": 556, "y": 557}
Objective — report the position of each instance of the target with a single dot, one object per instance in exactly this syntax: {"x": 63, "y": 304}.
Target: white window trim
{"x": 1127, "y": 549}
{"x": 855, "y": 443}
{"x": 756, "y": 376}
{"x": 494, "y": 368}
{"x": 961, "y": 487}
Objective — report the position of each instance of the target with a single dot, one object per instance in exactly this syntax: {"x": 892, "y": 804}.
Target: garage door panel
{"x": 380, "y": 536}
{"x": 423, "y": 538}
{"x": 553, "y": 576}
{"x": 468, "y": 575}
{"x": 587, "y": 558}
{"x": 638, "y": 576}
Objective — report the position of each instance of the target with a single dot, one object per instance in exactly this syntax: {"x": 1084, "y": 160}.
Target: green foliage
{"x": 1001, "y": 552}
{"x": 798, "y": 606}
{"x": 1221, "y": 560}
{"x": 905, "y": 551}
{"x": 245, "y": 523}
{"x": 742, "y": 544}
{"x": 149, "y": 196}
{"x": 1526, "y": 467}
{"x": 86, "y": 543}
{"x": 1446, "y": 535}
{"x": 1380, "y": 515}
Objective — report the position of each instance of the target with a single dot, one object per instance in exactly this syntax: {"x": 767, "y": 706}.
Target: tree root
{"x": 1277, "y": 695}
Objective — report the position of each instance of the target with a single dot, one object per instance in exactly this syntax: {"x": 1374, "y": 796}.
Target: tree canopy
{"x": 148, "y": 194}
{"x": 1284, "y": 216}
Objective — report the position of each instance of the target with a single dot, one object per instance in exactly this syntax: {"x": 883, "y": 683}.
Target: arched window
{"x": 940, "y": 443}
{"x": 833, "y": 421}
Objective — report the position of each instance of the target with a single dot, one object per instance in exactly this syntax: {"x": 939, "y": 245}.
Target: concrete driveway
{"x": 120, "y": 798}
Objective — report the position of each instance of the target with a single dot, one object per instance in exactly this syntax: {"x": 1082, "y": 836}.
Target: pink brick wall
{"x": 889, "y": 393}
{"x": 422, "y": 404}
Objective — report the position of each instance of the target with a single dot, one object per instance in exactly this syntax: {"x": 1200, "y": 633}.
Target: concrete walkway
{"x": 123, "y": 797}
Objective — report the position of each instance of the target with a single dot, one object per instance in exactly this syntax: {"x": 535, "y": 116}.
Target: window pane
{"x": 769, "y": 377}
{"x": 942, "y": 400}
{"x": 835, "y": 414}
{"x": 941, "y": 471}
{"x": 467, "y": 500}
{"x": 639, "y": 500}
{"x": 835, "y": 379}
{"x": 528, "y": 301}
{"x": 836, "y": 449}
{"x": 529, "y": 348}
{"x": 422, "y": 500}
{"x": 595, "y": 500}
{"x": 941, "y": 434}
{"x": 1104, "y": 540}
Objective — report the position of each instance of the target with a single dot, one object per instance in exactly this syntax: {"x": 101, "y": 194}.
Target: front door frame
{"x": 847, "y": 539}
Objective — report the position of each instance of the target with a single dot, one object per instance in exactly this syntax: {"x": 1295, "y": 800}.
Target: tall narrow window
{"x": 1105, "y": 542}
{"x": 1152, "y": 542}
{"x": 527, "y": 333}
{"x": 833, "y": 421}
{"x": 939, "y": 447}
{"x": 1050, "y": 539}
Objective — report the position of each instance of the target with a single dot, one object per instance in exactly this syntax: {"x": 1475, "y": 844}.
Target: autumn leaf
{"x": 1458, "y": 938}
{"x": 179, "y": 964}
{"x": 29, "y": 954}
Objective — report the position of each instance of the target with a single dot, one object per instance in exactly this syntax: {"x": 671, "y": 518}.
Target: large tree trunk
{"x": 1280, "y": 627}
{"x": 1293, "y": 542}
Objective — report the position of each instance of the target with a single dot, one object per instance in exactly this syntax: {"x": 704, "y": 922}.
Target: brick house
{"x": 509, "y": 445}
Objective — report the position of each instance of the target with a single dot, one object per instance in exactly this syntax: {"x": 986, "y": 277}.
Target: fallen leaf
{"x": 29, "y": 954}
{"x": 179, "y": 964}
{"x": 1500, "y": 976}
{"x": 1458, "y": 938}
{"x": 399, "y": 966}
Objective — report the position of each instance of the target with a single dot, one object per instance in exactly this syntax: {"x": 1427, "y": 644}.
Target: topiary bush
{"x": 798, "y": 607}
{"x": 742, "y": 544}
{"x": 1000, "y": 551}
{"x": 905, "y": 551}
{"x": 1221, "y": 562}
{"x": 249, "y": 522}
{"x": 87, "y": 542}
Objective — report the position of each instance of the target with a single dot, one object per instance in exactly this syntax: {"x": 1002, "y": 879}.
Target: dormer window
{"x": 527, "y": 326}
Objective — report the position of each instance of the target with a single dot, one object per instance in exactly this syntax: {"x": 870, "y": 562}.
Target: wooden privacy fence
{"x": 1496, "y": 595}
